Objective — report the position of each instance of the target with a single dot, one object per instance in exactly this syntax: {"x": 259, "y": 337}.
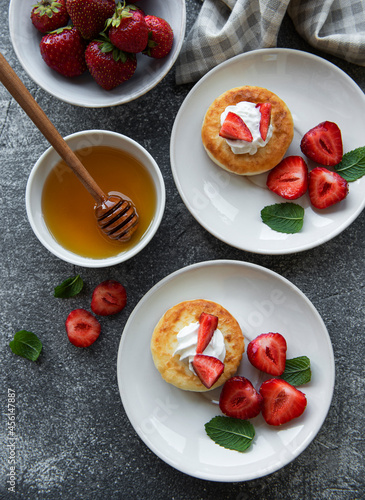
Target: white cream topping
{"x": 187, "y": 339}
{"x": 251, "y": 116}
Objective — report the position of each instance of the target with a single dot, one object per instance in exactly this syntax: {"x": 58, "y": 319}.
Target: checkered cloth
{"x": 225, "y": 28}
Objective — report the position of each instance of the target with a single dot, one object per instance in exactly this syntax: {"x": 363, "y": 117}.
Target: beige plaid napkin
{"x": 225, "y": 28}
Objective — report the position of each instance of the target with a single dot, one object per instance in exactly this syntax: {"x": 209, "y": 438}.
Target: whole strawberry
{"x": 160, "y": 37}
{"x": 128, "y": 29}
{"x": 49, "y": 15}
{"x": 108, "y": 65}
{"x": 89, "y": 16}
{"x": 64, "y": 51}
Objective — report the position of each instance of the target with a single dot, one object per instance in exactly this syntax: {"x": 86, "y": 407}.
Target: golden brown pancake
{"x": 164, "y": 342}
{"x": 266, "y": 157}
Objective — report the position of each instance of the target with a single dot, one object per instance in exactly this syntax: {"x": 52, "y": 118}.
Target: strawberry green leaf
{"x": 69, "y": 288}
{"x": 283, "y": 217}
{"x": 297, "y": 371}
{"x": 352, "y": 165}
{"x": 231, "y": 433}
{"x": 26, "y": 344}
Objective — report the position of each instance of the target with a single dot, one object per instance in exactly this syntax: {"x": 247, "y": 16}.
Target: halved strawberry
{"x": 208, "y": 324}
{"x": 239, "y": 399}
{"x": 109, "y": 297}
{"x": 208, "y": 369}
{"x": 265, "y": 110}
{"x": 281, "y": 401}
{"x": 289, "y": 179}
{"x": 323, "y": 144}
{"x": 267, "y": 352}
{"x": 235, "y": 128}
{"x": 326, "y": 188}
{"x": 82, "y": 328}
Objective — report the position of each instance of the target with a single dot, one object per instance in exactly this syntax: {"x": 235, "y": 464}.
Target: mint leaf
{"x": 297, "y": 371}
{"x": 231, "y": 433}
{"x": 69, "y": 288}
{"x": 352, "y": 165}
{"x": 26, "y": 344}
{"x": 283, "y": 217}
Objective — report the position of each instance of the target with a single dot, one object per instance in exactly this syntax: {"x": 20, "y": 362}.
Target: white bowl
{"x": 83, "y": 90}
{"x": 50, "y": 158}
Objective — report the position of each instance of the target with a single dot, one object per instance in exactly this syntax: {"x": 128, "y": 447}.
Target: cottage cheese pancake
{"x": 257, "y": 155}
{"x": 172, "y": 354}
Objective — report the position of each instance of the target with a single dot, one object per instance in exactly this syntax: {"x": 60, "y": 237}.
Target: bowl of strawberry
{"x": 97, "y": 53}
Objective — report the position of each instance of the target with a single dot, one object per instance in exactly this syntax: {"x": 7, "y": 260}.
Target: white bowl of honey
{"x": 61, "y": 211}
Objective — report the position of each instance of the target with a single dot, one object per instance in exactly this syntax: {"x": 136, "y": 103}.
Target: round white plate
{"x": 171, "y": 421}
{"x": 229, "y": 206}
{"x": 83, "y": 90}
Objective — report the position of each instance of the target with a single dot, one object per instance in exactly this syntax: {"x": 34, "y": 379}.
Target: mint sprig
{"x": 283, "y": 217}
{"x": 26, "y": 344}
{"x": 231, "y": 433}
{"x": 69, "y": 288}
{"x": 297, "y": 371}
{"x": 352, "y": 165}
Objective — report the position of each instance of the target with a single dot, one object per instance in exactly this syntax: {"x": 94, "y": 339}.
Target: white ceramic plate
{"x": 84, "y": 91}
{"x": 171, "y": 421}
{"x": 229, "y": 206}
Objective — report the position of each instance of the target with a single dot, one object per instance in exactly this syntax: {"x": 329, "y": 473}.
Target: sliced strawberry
{"x": 239, "y": 399}
{"x": 208, "y": 325}
{"x": 267, "y": 352}
{"x": 235, "y": 128}
{"x": 265, "y": 110}
{"x": 208, "y": 369}
{"x": 281, "y": 401}
{"x": 326, "y": 188}
{"x": 109, "y": 297}
{"x": 289, "y": 179}
{"x": 82, "y": 328}
{"x": 323, "y": 144}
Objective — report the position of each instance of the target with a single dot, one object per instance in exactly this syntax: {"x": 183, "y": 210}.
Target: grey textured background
{"x": 74, "y": 440}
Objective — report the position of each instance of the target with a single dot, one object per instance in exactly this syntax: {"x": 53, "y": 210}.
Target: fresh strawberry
{"x": 235, "y": 128}
{"x": 160, "y": 37}
{"x": 267, "y": 352}
{"x": 239, "y": 399}
{"x": 281, "y": 401}
{"x": 323, "y": 144}
{"x": 207, "y": 325}
{"x": 82, "y": 328}
{"x": 109, "y": 297}
{"x": 64, "y": 51}
{"x": 108, "y": 65}
{"x": 128, "y": 29}
{"x": 326, "y": 188}
{"x": 208, "y": 369}
{"x": 265, "y": 110}
{"x": 289, "y": 178}
{"x": 90, "y": 16}
{"x": 49, "y": 15}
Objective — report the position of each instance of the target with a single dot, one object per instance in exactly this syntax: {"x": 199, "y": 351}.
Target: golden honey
{"x": 68, "y": 208}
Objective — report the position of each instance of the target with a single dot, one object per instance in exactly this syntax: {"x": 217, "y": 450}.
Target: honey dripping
{"x": 68, "y": 209}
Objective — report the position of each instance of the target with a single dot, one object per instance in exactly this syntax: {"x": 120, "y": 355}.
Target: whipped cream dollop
{"x": 187, "y": 339}
{"x": 251, "y": 115}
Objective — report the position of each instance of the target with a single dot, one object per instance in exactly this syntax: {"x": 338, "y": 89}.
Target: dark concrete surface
{"x": 74, "y": 440}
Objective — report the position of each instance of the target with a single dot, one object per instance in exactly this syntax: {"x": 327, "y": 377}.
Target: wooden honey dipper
{"x": 116, "y": 217}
